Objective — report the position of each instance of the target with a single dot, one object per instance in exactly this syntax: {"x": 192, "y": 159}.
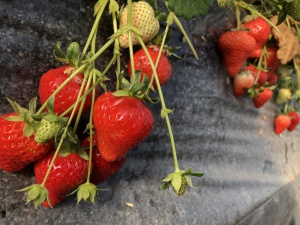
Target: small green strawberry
{"x": 292, "y": 9}
{"x": 179, "y": 181}
{"x": 283, "y": 95}
{"x": 46, "y": 131}
{"x": 182, "y": 188}
{"x": 143, "y": 18}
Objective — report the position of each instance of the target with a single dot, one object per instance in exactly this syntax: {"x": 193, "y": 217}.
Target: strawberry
{"x": 120, "y": 124}
{"x": 263, "y": 76}
{"x": 273, "y": 78}
{"x": 102, "y": 169}
{"x": 281, "y": 122}
{"x": 272, "y": 61}
{"x": 236, "y": 47}
{"x": 283, "y": 95}
{"x": 17, "y": 150}
{"x": 67, "y": 96}
{"x": 143, "y": 18}
{"x": 263, "y": 96}
{"x": 260, "y": 30}
{"x": 292, "y": 9}
{"x": 295, "y": 118}
{"x": 141, "y": 62}
{"x": 182, "y": 188}
{"x": 47, "y": 130}
{"x": 66, "y": 174}
{"x": 242, "y": 82}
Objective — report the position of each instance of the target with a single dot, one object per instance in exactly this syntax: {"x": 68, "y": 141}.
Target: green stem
{"x": 102, "y": 49}
{"x": 94, "y": 28}
{"x": 178, "y": 23}
{"x": 117, "y": 54}
{"x": 237, "y": 15}
{"x": 91, "y": 131}
{"x": 53, "y": 159}
{"x": 160, "y": 51}
{"x": 164, "y": 108}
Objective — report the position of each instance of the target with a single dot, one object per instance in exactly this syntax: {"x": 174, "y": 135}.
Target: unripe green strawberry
{"x": 292, "y": 9}
{"x": 283, "y": 95}
{"x": 182, "y": 187}
{"x": 143, "y": 18}
{"x": 46, "y": 131}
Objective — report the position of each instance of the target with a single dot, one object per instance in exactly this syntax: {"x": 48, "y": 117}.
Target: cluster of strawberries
{"x": 250, "y": 57}
{"x": 119, "y": 120}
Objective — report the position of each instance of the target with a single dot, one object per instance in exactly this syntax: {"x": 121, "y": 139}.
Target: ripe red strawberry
{"x": 263, "y": 76}
{"x": 141, "y": 62}
{"x": 242, "y": 82}
{"x": 120, "y": 124}
{"x": 143, "y": 18}
{"x": 235, "y": 47}
{"x": 260, "y": 30}
{"x": 16, "y": 150}
{"x": 272, "y": 61}
{"x": 101, "y": 169}
{"x": 273, "y": 78}
{"x": 295, "y": 118}
{"x": 281, "y": 122}
{"x": 66, "y": 175}
{"x": 262, "y": 97}
{"x": 52, "y": 79}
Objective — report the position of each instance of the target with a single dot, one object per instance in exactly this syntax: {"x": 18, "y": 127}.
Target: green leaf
{"x": 281, "y": 17}
{"x": 189, "y": 9}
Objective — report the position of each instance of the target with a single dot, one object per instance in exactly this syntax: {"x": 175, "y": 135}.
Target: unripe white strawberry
{"x": 143, "y": 18}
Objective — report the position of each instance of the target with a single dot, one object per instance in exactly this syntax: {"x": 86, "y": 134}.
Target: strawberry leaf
{"x": 189, "y": 9}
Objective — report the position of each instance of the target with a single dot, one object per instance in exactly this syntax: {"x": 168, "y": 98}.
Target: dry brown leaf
{"x": 288, "y": 43}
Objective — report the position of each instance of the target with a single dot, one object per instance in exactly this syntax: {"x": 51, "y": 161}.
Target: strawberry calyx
{"x": 179, "y": 180}
{"x": 71, "y": 57}
{"x": 26, "y": 115}
{"x": 87, "y": 192}
{"x": 138, "y": 87}
{"x": 36, "y": 193}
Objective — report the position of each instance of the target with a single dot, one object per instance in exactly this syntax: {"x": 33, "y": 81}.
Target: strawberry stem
{"x": 178, "y": 23}
{"x": 163, "y": 104}
{"x": 117, "y": 54}
{"x": 94, "y": 28}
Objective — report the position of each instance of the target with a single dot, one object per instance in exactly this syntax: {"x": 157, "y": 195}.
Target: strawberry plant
{"x": 66, "y": 161}
{"x": 273, "y": 60}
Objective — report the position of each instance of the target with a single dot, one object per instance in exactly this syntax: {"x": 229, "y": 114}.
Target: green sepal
{"x": 165, "y": 111}
{"x": 86, "y": 192}
{"x": 73, "y": 54}
{"x": 14, "y": 118}
{"x": 28, "y": 130}
{"x": 32, "y": 105}
{"x": 176, "y": 181}
{"x": 136, "y": 88}
{"x": 37, "y": 194}
{"x": 59, "y": 55}
{"x": 50, "y": 105}
{"x": 189, "y": 9}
